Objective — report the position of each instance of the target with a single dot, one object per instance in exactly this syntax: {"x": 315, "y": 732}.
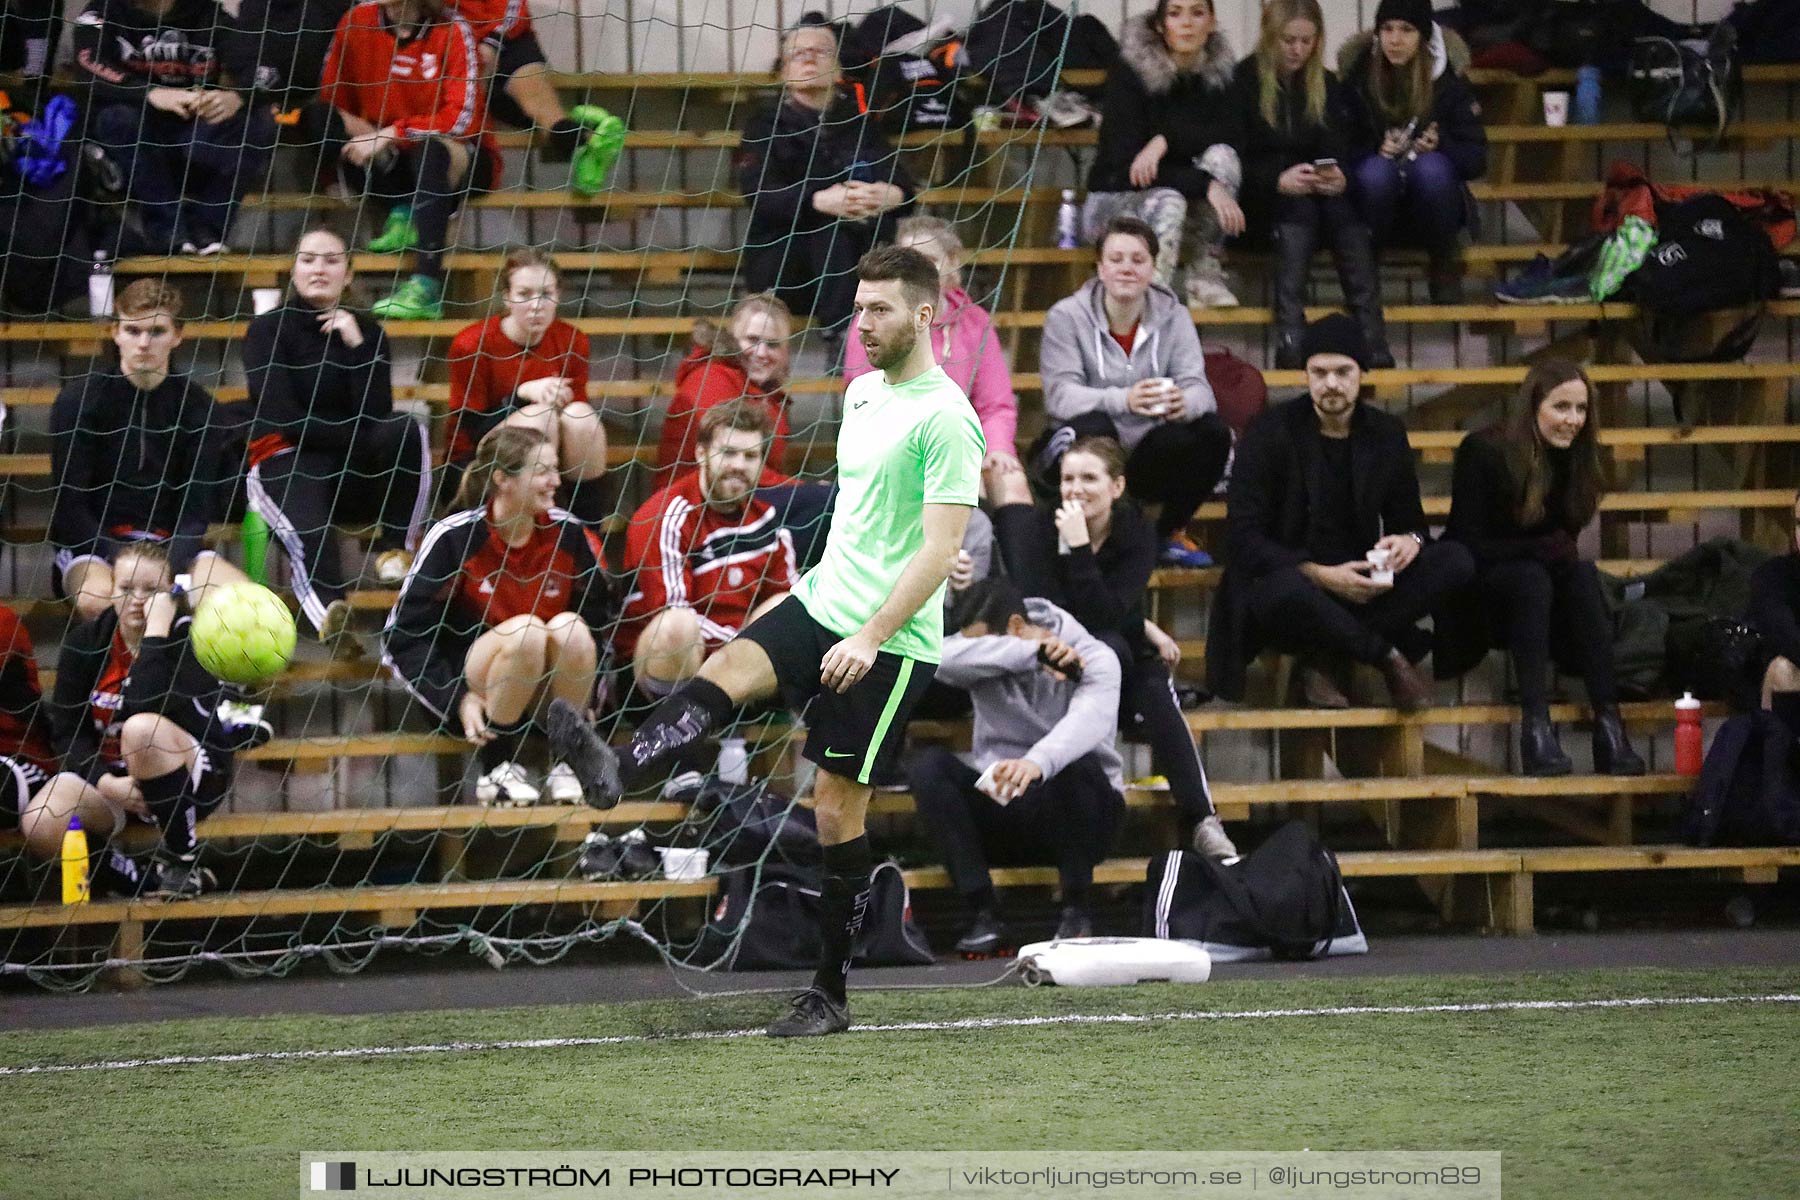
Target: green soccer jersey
{"x": 899, "y": 449}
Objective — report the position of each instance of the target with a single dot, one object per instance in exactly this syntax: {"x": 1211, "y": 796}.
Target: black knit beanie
{"x": 1336, "y": 334}
{"x": 1416, "y": 13}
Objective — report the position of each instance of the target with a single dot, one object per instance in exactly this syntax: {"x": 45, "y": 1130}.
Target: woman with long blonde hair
{"x": 1293, "y": 131}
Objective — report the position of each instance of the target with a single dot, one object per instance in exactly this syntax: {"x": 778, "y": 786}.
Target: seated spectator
{"x": 1321, "y": 481}
{"x": 1092, "y": 557}
{"x": 404, "y": 79}
{"x": 136, "y": 455}
{"x": 1046, "y": 695}
{"x": 326, "y": 444}
{"x": 26, "y": 759}
{"x": 1775, "y": 613}
{"x": 1121, "y": 359}
{"x": 706, "y": 555}
{"x": 964, "y": 341}
{"x": 499, "y": 615}
{"x": 1295, "y": 123}
{"x": 142, "y": 732}
{"x": 1521, "y": 493}
{"x": 824, "y": 186}
{"x": 521, "y": 92}
{"x": 1417, "y": 138}
{"x": 171, "y": 104}
{"x": 527, "y": 366}
{"x": 1167, "y": 155}
{"x": 749, "y": 360}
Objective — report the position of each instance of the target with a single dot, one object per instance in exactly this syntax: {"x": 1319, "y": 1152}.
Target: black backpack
{"x": 1021, "y": 47}
{"x": 1748, "y": 793}
{"x": 744, "y": 823}
{"x": 1688, "y": 82}
{"x": 915, "y": 85}
{"x": 780, "y": 930}
{"x": 1768, "y": 31}
{"x": 1711, "y": 257}
{"x": 1285, "y": 900}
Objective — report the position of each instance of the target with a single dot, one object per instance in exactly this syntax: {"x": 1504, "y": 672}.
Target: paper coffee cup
{"x": 1379, "y": 558}
{"x": 682, "y": 864}
{"x": 1556, "y": 108}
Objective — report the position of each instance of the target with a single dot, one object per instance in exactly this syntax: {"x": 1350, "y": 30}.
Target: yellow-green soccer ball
{"x": 243, "y": 633}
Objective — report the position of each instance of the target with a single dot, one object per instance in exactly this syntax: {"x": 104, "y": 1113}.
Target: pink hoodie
{"x": 968, "y": 349}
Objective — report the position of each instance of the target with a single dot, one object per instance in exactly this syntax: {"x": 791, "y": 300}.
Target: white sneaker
{"x": 1211, "y": 840}
{"x": 561, "y": 786}
{"x": 506, "y": 785}
{"x": 1210, "y": 293}
{"x": 1068, "y": 110}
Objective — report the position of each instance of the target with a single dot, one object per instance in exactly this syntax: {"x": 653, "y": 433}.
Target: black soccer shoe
{"x": 172, "y": 879}
{"x": 573, "y": 741}
{"x": 812, "y": 1014}
{"x": 983, "y": 937}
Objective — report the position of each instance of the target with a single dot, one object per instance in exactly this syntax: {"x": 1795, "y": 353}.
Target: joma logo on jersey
{"x": 425, "y": 66}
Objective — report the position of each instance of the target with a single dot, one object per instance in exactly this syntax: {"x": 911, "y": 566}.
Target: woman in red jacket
{"x": 404, "y": 78}
{"x": 747, "y": 360}
{"x": 529, "y": 367}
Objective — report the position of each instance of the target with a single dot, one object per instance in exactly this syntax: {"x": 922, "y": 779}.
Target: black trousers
{"x": 1068, "y": 820}
{"x": 1150, "y": 712}
{"x": 1542, "y": 611}
{"x": 1295, "y": 615}
{"x": 1176, "y": 465}
{"x": 814, "y": 270}
{"x": 386, "y": 477}
{"x": 417, "y": 175}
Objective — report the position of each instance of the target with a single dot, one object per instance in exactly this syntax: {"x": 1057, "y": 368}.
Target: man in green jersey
{"x": 858, "y": 640}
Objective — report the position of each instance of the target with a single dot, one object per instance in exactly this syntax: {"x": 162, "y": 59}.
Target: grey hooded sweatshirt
{"x": 1085, "y": 370}
{"x": 1021, "y": 711}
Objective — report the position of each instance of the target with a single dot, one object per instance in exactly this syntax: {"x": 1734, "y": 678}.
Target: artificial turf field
{"x": 1670, "y": 1100}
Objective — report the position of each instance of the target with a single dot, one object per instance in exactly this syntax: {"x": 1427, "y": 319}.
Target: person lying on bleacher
{"x": 1323, "y": 488}
{"x": 1043, "y": 781}
{"x": 824, "y": 186}
{"x": 1093, "y": 556}
{"x": 502, "y": 613}
{"x": 136, "y": 456}
{"x": 1166, "y": 155}
{"x": 1294, "y": 132}
{"x": 527, "y": 366}
{"x": 325, "y": 443}
{"x": 1521, "y": 492}
{"x": 705, "y": 555}
{"x": 966, "y": 345}
{"x": 171, "y": 103}
{"x": 404, "y": 79}
{"x": 1417, "y": 138}
{"x": 27, "y": 760}
{"x": 142, "y": 733}
{"x": 1775, "y": 613}
{"x": 521, "y": 92}
{"x": 1121, "y": 359}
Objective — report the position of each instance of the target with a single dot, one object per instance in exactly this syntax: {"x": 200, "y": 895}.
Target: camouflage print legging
{"x": 1186, "y": 233}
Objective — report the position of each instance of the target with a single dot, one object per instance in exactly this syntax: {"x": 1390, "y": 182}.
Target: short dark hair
{"x": 1130, "y": 226}
{"x": 740, "y": 414}
{"x": 993, "y": 602}
{"x": 916, "y": 273}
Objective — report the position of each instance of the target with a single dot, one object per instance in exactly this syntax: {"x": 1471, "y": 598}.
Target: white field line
{"x": 967, "y": 1023}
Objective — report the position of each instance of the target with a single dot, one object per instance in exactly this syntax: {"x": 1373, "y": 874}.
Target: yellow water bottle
{"x": 75, "y": 864}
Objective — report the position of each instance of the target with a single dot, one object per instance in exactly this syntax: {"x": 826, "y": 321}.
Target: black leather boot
{"x": 1293, "y": 259}
{"x": 1540, "y": 754}
{"x": 1354, "y": 249}
{"x": 1444, "y": 273}
{"x": 1613, "y": 754}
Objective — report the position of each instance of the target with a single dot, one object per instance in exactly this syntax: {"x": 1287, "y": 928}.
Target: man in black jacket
{"x": 137, "y": 455}
{"x": 1323, "y": 487}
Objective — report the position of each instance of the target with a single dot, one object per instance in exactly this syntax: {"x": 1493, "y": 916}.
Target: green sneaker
{"x": 420, "y": 298}
{"x": 594, "y": 161}
{"x": 398, "y": 235}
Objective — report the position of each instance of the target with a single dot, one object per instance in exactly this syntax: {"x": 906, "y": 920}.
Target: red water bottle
{"x": 1689, "y": 745}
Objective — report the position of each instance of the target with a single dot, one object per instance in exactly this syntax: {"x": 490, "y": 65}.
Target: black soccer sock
{"x": 508, "y": 736}
{"x": 114, "y": 873}
{"x": 172, "y": 804}
{"x": 686, "y": 716}
{"x": 841, "y": 911}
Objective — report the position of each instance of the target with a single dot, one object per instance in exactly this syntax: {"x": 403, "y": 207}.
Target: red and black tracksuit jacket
{"x": 466, "y": 580}
{"x": 23, "y": 735}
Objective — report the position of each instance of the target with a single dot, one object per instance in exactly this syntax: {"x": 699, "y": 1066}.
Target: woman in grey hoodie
{"x": 1167, "y": 155}
{"x": 1121, "y": 359}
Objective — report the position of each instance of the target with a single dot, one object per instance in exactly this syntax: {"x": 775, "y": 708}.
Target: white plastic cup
{"x": 1379, "y": 558}
{"x": 682, "y": 864}
{"x": 264, "y": 300}
{"x": 1556, "y": 109}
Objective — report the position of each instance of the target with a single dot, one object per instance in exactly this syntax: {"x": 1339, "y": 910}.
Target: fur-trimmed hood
{"x": 1142, "y": 50}
{"x": 1448, "y": 52}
